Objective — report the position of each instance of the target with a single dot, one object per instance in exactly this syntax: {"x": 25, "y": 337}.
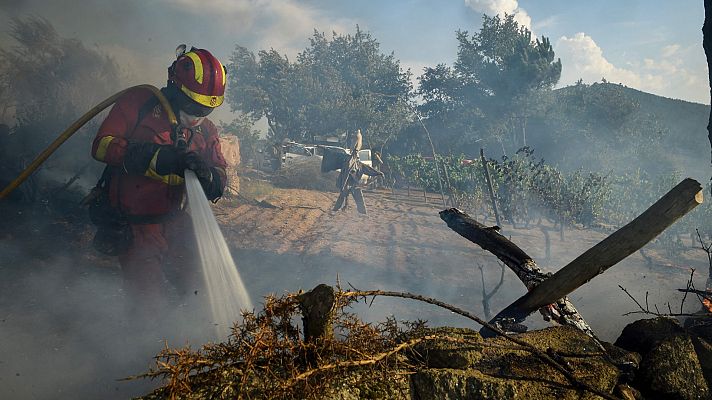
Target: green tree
{"x": 490, "y": 89}
{"x": 451, "y": 108}
{"x": 336, "y": 85}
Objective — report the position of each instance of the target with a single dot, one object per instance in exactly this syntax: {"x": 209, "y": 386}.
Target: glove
{"x": 139, "y": 156}
{"x": 209, "y": 178}
{"x": 195, "y": 163}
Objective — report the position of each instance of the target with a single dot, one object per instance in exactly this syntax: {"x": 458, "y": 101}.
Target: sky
{"x": 651, "y": 45}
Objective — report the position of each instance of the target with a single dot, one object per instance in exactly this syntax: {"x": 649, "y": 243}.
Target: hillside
{"x": 609, "y": 126}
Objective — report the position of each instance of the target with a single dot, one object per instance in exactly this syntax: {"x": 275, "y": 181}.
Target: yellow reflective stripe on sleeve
{"x": 208, "y": 101}
{"x": 170, "y": 179}
{"x": 198, "y": 66}
{"x": 103, "y": 147}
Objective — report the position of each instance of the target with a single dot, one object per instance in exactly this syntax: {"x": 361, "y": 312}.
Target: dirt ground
{"x": 65, "y": 333}
{"x": 403, "y": 245}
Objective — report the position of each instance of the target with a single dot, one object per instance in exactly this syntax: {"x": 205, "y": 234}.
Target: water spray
{"x": 226, "y": 292}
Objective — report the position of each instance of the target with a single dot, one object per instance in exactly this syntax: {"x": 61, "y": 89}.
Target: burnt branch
{"x": 702, "y": 295}
{"x": 561, "y": 311}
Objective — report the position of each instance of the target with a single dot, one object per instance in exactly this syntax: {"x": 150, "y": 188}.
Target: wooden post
{"x": 449, "y": 187}
{"x": 489, "y": 187}
{"x": 676, "y": 203}
{"x": 435, "y": 157}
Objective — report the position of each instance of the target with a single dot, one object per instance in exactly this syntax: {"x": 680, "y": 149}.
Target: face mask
{"x": 190, "y": 121}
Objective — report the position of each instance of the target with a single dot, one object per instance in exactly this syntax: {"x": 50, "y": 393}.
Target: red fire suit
{"x": 152, "y": 203}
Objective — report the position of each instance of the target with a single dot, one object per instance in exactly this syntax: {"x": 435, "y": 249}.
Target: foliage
{"x": 610, "y": 124}
{"x": 525, "y": 187}
{"x": 47, "y": 82}
{"x": 337, "y": 85}
{"x": 489, "y": 92}
{"x": 528, "y": 189}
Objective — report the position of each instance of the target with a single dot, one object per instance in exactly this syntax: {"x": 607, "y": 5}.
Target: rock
{"x": 451, "y": 354}
{"x": 230, "y": 146}
{"x": 643, "y": 335}
{"x": 703, "y": 348}
{"x": 627, "y": 362}
{"x": 703, "y": 330}
{"x": 672, "y": 370}
{"x": 455, "y": 384}
{"x": 391, "y": 387}
{"x": 503, "y": 370}
{"x": 579, "y": 350}
{"x": 626, "y": 392}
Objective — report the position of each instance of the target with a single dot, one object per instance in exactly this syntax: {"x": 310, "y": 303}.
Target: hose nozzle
{"x": 181, "y": 137}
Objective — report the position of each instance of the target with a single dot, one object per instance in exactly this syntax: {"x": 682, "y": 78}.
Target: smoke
{"x": 65, "y": 326}
{"x": 66, "y": 331}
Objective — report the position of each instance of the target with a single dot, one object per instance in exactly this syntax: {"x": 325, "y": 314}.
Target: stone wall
{"x": 230, "y": 145}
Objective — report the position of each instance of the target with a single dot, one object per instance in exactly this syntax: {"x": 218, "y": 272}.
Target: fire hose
{"x": 42, "y": 157}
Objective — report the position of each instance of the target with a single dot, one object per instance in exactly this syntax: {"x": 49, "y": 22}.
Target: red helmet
{"x": 199, "y": 75}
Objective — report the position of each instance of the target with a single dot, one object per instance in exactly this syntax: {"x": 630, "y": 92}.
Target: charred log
{"x": 561, "y": 311}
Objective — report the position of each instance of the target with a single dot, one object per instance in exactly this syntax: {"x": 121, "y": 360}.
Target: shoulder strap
{"x": 145, "y": 109}
{"x": 105, "y": 176}
{"x": 142, "y": 112}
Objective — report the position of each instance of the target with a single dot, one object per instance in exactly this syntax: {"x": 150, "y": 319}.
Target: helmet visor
{"x": 189, "y": 106}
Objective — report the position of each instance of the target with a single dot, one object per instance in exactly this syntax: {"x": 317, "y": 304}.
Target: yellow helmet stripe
{"x": 102, "y": 148}
{"x": 222, "y": 68}
{"x": 198, "y": 66}
{"x": 208, "y": 101}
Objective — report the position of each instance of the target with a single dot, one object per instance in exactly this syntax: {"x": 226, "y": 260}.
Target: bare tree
{"x": 487, "y": 296}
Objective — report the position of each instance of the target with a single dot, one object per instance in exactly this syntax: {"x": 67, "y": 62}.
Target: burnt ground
{"x": 65, "y": 332}
{"x": 403, "y": 245}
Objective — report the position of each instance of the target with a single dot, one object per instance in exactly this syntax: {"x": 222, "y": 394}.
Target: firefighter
{"x": 349, "y": 178}
{"x": 144, "y": 179}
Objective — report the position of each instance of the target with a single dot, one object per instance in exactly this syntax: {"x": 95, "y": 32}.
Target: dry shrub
{"x": 255, "y": 189}
{"x": 266, "y": 357}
